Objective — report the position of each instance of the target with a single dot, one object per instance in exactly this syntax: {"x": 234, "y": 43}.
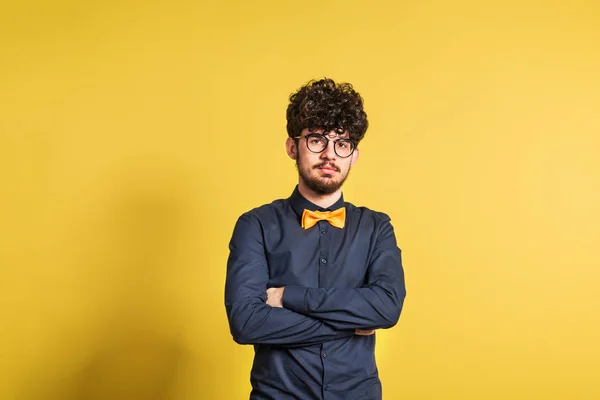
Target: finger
{"x": 364, "y": 332}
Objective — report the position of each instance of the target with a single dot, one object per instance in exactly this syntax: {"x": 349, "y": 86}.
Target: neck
{"x": 322, "y": 200}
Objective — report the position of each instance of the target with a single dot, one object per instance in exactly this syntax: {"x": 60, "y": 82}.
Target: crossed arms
{"x": 300, "y": 316}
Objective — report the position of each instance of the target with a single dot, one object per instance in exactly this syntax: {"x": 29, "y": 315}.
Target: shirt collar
{"x": 299, "y": 203}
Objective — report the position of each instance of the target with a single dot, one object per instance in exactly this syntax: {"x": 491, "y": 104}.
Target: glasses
{"x": 317, "y": 143}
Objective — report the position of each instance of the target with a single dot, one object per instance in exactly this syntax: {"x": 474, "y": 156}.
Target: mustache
{"x": 330, "y": 165}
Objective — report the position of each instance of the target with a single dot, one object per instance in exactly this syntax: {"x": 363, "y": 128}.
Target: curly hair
{"x": 327, "y": 105}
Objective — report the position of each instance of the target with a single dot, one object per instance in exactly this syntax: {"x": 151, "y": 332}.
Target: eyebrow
{"x": 328, "y": 135}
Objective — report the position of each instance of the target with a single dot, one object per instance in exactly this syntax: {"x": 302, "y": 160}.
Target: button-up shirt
{"x": 336, "y": 281}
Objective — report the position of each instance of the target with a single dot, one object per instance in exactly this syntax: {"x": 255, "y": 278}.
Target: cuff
{"x": 344, "y": 334}
{"x": 293, "y": 298}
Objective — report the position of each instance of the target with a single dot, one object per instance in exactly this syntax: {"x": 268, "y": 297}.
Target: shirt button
{"x": 323, "y": 261}
{"x": 324, "y": 355}
{"x": 326, "y": 387}
{"x": 322, "y": 231}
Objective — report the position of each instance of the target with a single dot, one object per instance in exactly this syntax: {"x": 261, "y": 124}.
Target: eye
{"x": 342, "y": 144}
{"x": 316, "y": 140}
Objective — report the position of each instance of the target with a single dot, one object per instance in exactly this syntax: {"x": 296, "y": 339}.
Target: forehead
{"x": 332, "y": 134}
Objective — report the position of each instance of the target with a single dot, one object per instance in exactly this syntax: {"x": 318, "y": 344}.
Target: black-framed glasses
{"x": 317, "y": 143}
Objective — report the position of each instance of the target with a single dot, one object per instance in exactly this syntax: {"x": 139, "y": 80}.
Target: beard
{"x": 321, "y": 185}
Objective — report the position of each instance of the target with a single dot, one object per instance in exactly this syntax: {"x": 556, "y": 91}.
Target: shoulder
{"x": 362, "y": 212}
{"x": 375, "y": 223}
{"x": 265, "y": 212}
{"x": 253, "y": 223}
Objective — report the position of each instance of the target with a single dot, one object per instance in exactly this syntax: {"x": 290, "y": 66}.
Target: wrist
{"x": 293, "y": 298}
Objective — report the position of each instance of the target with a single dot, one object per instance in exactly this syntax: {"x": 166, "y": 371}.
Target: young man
{"x": 310, "y": 278}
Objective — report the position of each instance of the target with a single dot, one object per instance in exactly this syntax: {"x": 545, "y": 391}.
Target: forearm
{"x": 257, "y": 323}
{"x": 369, "y": 307}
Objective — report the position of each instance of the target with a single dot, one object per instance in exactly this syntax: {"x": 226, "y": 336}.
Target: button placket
{"x": 324, "y": 243}
{"x": 323, "y": 227}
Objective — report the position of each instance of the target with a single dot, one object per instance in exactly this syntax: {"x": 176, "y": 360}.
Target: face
{"x": 323, "y": 173}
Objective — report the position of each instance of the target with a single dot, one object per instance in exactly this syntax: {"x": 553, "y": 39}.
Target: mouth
{"x": 328, "y": 169}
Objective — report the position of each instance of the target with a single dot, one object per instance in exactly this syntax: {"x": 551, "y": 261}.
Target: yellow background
{"x": 133, "y": 134}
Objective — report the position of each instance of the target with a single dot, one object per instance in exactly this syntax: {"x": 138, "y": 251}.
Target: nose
{"x": 329, "y": 152}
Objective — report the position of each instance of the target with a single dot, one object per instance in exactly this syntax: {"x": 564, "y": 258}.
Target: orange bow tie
{"x": 336, "y": 218}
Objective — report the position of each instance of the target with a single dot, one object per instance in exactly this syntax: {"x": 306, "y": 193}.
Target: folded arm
{"x": 377, "y": 304}
{"x": 251, "y": 320}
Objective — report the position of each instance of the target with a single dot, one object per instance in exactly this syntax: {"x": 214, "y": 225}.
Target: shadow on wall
{"x": 135, "y": 366}
{"x": 129, "y": 264}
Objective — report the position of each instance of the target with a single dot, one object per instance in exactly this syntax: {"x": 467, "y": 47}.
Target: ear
{"x": 354, "y": 157}
{"x": 291, "y": 148}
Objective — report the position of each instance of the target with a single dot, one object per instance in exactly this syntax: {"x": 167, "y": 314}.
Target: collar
{"x": 299, "y": 203}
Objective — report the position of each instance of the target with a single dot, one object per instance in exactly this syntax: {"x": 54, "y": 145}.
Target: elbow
{"x": 240, "y": 336}
{"x": 241, "y": 326}
{"x": 392, "y": 317}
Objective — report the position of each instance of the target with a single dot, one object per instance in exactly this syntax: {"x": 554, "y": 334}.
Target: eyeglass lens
{"x": 317, "y": 143}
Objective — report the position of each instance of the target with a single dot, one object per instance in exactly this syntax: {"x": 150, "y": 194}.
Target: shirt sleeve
{"x": 377, "y": 304}
{"x": 251, "y": 320}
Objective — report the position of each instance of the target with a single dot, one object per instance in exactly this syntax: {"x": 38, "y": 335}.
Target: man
{"x": 310, "y": 278}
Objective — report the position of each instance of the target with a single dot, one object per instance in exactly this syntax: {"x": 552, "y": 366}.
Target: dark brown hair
{"x": 327, "y": 105}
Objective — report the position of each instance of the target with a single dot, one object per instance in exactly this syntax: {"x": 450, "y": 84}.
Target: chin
{"x": 327, "y": 180}
{"x": 328, "y": 186}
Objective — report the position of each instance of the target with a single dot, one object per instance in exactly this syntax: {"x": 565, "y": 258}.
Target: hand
{"x": 275, "y": 296}
{"x": 364, "y": 332}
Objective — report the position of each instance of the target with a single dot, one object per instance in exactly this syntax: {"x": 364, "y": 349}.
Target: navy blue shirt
{"x": 336, "y": 281}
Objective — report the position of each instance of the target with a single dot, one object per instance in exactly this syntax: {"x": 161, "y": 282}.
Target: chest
{"x": 322, "y": 256}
